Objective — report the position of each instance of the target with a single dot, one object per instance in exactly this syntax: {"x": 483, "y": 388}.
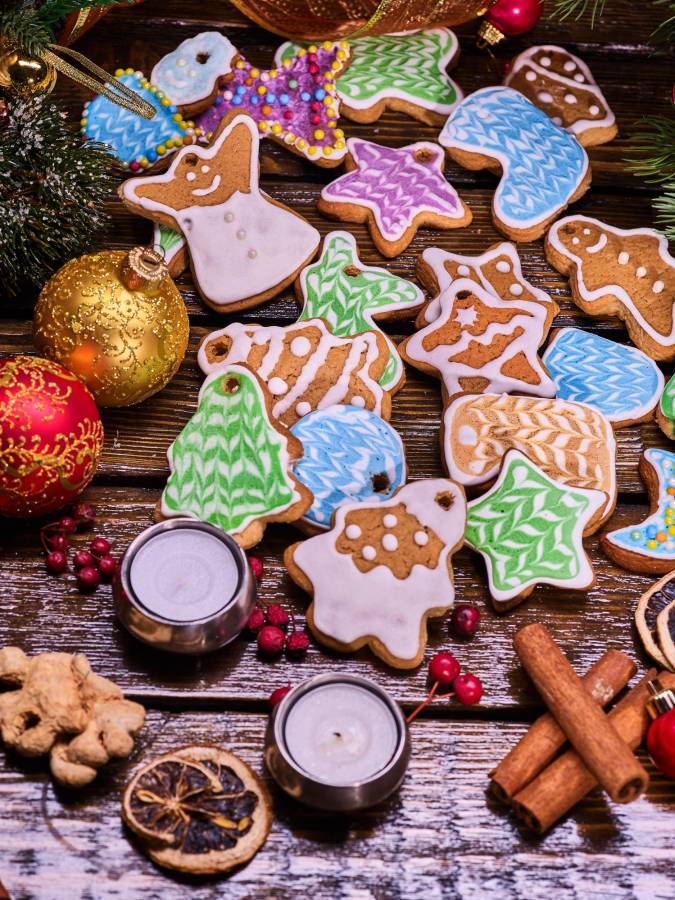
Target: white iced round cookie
{"x": 191, "y": 72}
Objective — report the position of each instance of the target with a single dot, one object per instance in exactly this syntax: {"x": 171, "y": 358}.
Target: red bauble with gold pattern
{"x": 51, "y": 436}
{"x": 509, "y": 18}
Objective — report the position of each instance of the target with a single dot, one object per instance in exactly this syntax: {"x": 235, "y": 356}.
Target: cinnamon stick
{"x": 605, "y": 754}
{"x": 567, "y": 780}
{"x": 536, "y": 749}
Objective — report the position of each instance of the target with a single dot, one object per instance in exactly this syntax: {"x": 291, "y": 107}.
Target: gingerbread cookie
{"x": 621, "y": 381}
{"x": 562, "y": 86}
{"x": 244, "y": 247}
{"x": 294, "y": 104}
{"x": 231, "y": 465}
{"x": 396, "y": 191}
{"x": 382, "y": 570}
{"x": 481, "y": 343}
{"x": 191, "y": 74}
{"x": 665, "y": 411}
{"x": 304, "y": 366}
{"x": 543, "y": 167}
{"x": 649, "y": 546}
{"x": 173, "y": 248}
{"x": 404, "y": 72}
{"x": 570, "y": 442}
{"x": 351, "y": 456}
{"x": 617, "y": 272}
{"x": 528, "y": 528}
{"x": 350, "y": 296}
{"x": 651, "y": 604}
{"x": 497, "y": 270}
{"x": 137, "y": 143}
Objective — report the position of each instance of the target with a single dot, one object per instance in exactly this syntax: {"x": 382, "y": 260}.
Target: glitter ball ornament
{"x": 116, "y": 320}
{"x": 51, "y": 436}
{"x": 25, "y": 74}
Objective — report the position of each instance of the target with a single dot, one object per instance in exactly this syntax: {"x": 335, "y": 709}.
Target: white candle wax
{"x": 341, "y": 733}
{"x": 184, "y": 574}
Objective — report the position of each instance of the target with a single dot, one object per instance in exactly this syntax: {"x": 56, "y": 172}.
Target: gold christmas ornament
{"x": 116, "y": 320}
{"x": 22, "y": 73}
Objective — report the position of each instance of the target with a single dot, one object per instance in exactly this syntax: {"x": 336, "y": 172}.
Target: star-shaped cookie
{"x": 396, "y": 191}
{"x": 528, "y": 528}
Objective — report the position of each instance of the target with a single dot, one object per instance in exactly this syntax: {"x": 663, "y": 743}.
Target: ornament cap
{"x": 489, "y": 35}
{"x": 143, "y": 266}
{"x": 662, "y": 699}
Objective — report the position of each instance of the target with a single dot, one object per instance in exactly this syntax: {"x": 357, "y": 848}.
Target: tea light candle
{"x": 338, "y": 742}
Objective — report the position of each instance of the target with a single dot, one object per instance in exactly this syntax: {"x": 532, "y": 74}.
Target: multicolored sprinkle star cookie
{"x": 650, "y": 546}
{"x": 396, "y": 191}
{"x": 350, "y": 296}
{"x": 528, "y": 527}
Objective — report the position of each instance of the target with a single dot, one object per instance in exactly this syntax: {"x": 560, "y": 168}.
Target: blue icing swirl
{"x": 542, "y": 164}
{"x": 345, "y": 448}
{"x": 620, "y": 381}
{"x": 655, "y": 536}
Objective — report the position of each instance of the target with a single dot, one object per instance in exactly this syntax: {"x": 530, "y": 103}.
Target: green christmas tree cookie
{"x": 230, "y": 465}
{"x": 349, "y": 295}
{"x": 528, "y": 527}
{"x": 665, "y": 412}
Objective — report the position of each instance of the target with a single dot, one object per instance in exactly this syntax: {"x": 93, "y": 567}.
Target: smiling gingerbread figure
{"x": 244, "y": 247}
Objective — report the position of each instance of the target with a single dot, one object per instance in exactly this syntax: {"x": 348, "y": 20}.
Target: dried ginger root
{"x": 59, "y": 706}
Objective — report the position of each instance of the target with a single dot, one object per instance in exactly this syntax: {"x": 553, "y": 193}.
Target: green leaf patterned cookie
{"x": 230, "y": 465}
{"x": 349, "y": 295}
{"x": 528, "y": 527}
{"x": 665, "y": 412}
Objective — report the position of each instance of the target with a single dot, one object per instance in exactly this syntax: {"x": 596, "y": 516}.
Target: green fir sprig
{"x": 665, "y": 211}
{"x": 566, "y": 9}
{"x": 33, "y": 25}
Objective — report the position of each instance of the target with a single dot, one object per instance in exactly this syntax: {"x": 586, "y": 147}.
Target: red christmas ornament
{"x": 661, "y": 734}
{"x": 509, "y": 18}
{"x": 51, "y": 436}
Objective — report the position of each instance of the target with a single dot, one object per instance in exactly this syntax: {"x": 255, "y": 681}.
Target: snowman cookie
{"x": 244, "y": 247}
{"x": 382, "y": 570}
{"x": 191, "y": 74}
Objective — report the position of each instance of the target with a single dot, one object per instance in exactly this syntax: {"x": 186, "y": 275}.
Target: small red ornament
{"x": 107, "y": 566}
{"x": 277, "y": 696}
{"x": 661, "y": 734}
{"x": 56, "y": 562}
{"x": 464, "y": 620}
{"x": 100, "y": 547}
{"x": 271, "y": 641}
{"x": 277, "y": 615}
{"x": 256, "y": 567}
{"x": 297, "y": 645}
{"x": 51, "y": 436}
{"x": 83, "y": 558}
{"x": 88, "y": 579}
{"x": 468, "y": 689}
{"x": 443, "y": 669}
{"x": 509, "y": 18}
{"x": 256, "y": 621}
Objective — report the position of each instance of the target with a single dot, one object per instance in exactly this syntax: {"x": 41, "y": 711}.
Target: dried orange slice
{"x": 650, "y": 605}
{"x": 199, "y": 809}
{"x": 665, "y": 630}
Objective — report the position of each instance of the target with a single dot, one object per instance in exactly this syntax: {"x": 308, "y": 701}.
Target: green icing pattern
{"x": 348, "y": 302}
{"x": 229, "y": 465}
{"x": 528, "y": 528}
{"x": 168, "y": 239}
{"x": 668, "y": 399}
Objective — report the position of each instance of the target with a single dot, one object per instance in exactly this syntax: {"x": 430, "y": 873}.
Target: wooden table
{"x": 440, "y": 836}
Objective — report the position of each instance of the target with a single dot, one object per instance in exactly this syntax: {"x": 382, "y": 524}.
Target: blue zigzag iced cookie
{"x": 351, "y": 455}
{"x": 619, "y": 380}
{"x": 543, "y": 167}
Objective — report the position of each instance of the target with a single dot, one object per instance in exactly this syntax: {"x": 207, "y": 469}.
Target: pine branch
{"x": 22, "y": 26}
{"x": 653, "y": 150}
{"x": 665, "y": 211}
{"x": 665, "y": 33}
{"x": 565, "y": 9}
{"x": 52, "y": 12}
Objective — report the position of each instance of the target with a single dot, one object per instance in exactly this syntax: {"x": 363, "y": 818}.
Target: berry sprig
{"x": 444, "y": 672}
{"x": 269, "y": 625}
{"x": 91, "y": 566}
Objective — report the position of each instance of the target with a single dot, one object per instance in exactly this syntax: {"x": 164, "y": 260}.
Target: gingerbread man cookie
{"x": 191, "y": 74}
{"x": 481, "y": 343}
{"x": 543, "y": 167}
{"x": 382, "y": 570}
{"x": 244, "y": 247}
{"x": 616, "y": 272}
{"x": 396, "y": 191}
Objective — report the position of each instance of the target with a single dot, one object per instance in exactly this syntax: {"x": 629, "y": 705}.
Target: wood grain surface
{"x": 440, "y": 837}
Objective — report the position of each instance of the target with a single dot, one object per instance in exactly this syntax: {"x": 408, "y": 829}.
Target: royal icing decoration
{"x": 242, "y": 245}
{"x": 628, "y": 273}
{"x": 562, "y": 86}
{"x": 571, "y": 442}
{"x": 653, "y": 540}
{"x": 543, "y": 167}
{"x": 230, "y": 465}
{"x": 304, "y": 366}
{"x": 482, "y": 343}
{"x": 191, "y": 72}
{"x": 373, "y": 582}
{"x": 137, "y": 143}
{"x": 351, "y": 456}
{"x": 497, "y": 271}
{"x": 400, "y": 71}
{"x": 528, "y": 527}
{"x": 349, "y": 296}
{"x": 620, "y": 381}
{"x": 294, "y": 104}
{"x": 666, "y": 410}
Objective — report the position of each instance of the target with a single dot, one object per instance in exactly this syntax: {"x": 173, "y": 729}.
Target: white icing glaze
{"x": 501, "y": 266}
{"x": 353, "y": 532}
{"x": 390, "y": 542}
{"x": 516, "y": 289}
{"x": 531, "y": 76}
{"x": 421, "y": 538}
{"x": 300, "y": 346}
{"x": 389, "y": 520}
{"x": 185, "y": 86}
{"x": 544, "y": 97}
{"x": 369, "y": 553}
{"x": 467, "y": 436}
{"x": 594, "y": 110}
{"x": 623, "y": 257}
{"x": 640, "y": 272}
{"x": 277, "y": 386}
{"x": 358, "y": 401}
{"x": 570, "y": 98}
{"x": 658, "y": 286}
{"x": 303, "y": 408}
{"x": 598, "y": 246}
{"x": 463, "y": 270}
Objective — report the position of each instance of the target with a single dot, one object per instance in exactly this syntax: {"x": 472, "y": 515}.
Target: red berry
{"x": 256, "y": 567}
{"x": 107, "y": 566}
{"x": 67, "y": 525}
{"x": 84, "y": 515}
{"x": 464, "y": 620}
{"x": 277, "y": 615}
{"x": 277, "y": 696}
{"x": 271, "y": 640}
{"x": 468, "y": 689}
{"x": 56, "y": 562}
{"x": 100, "y": 547}
{"x": 444, "y": 668}
{"x": 88, "y": 578}
{"x": 83, "y": 558}
{"x": 256, "y": 620}
{"x": 297, "y": 645}
{"x": 58, "y": 542}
